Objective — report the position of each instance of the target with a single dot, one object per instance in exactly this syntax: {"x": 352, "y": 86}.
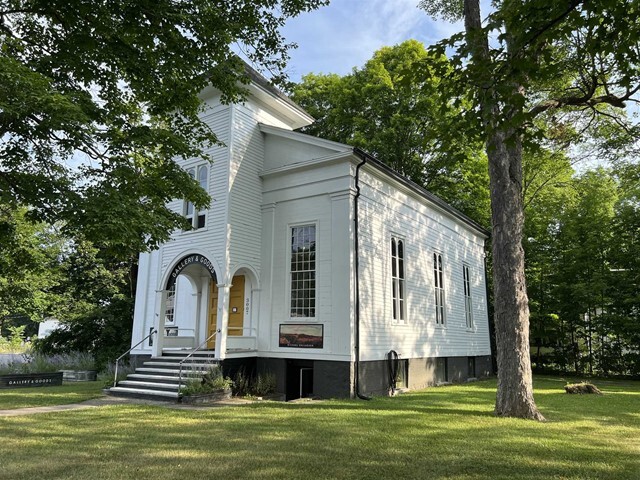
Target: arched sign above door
{"x": 193, "y": 259}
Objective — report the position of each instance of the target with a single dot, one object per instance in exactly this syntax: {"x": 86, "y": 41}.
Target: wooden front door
{"x": 236, "y": 307}
{"x": 213, "y": 314}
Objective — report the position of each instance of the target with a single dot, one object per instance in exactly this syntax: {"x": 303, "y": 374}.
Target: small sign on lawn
{"x": 23, "y": 380}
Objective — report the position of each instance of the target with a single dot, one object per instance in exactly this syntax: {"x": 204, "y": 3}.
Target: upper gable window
{"x": 197, "y": 219}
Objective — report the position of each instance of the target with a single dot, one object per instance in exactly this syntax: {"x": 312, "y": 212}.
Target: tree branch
{"x": 587, "y": 100}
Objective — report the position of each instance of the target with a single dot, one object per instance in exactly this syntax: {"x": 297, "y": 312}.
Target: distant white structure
{"x": 47, "y": 326}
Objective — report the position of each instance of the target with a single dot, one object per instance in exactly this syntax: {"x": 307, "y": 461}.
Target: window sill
{"x": 191, "y": 232}
{"x": 400, "y": 323}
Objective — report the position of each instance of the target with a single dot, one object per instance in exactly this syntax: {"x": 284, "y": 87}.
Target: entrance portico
{"x": 193, "y": 308}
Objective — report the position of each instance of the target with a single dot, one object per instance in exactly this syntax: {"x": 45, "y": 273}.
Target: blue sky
{"x": 344, "y": 34}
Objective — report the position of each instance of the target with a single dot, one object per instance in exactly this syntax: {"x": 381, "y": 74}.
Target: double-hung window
{"x": 439, "y": 287}
{"x": 303, "y": 271}
{"x": 397, "y": 279}
{"x": 197, "y": 219}
{"x": 170, "y": 305}
{"x": 468, "y": 311}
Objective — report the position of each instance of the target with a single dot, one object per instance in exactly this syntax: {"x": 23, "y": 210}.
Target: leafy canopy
{"x": 98, "y": 98}
{"x": 396, "y": 108}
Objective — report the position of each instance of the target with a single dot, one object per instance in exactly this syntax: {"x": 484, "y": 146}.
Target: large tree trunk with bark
{"x": 504, "y": 150}
{"x": 511, "y": 310}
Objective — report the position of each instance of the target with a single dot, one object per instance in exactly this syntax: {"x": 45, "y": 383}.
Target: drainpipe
{"x": 363, "y": 157}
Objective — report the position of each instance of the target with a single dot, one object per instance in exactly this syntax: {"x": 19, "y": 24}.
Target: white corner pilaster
{"x": 223, "y": 319}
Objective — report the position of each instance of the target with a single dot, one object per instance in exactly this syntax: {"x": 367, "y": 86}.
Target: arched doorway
{"x": 186, "y": 301}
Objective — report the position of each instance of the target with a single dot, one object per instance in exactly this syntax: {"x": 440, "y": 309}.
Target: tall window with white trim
{"x": 170, "y": 305}
{"x": 468, "y": 311}
{"x": 439, "y": 287}
{"x": 198, "y": 220}
{"x": 303, "y": 271}
{"x": 397, "y": 279}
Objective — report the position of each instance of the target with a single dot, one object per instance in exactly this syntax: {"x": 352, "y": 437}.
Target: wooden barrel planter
{"x": 25, "y": 380}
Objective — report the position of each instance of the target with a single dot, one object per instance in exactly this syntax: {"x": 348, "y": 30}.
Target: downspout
{"x": 363, "y": 157}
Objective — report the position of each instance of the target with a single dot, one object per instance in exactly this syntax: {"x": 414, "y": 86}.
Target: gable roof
{"x": 342, "y": 148}
{"x": 420, "y": 190}
{"x": 263, "y": 89}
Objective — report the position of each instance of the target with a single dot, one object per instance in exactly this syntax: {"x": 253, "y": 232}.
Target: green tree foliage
{"x": 548, "y": 190}
{"x": 584, "y": 242}
{"x": 113, "y": 85}
{"x": 582, "y": 274}
{"x": 94, "y": 303}
{"x": 393, "y": 108}
{"x": 29, "y": 270}
{"x": 534, "y": 69}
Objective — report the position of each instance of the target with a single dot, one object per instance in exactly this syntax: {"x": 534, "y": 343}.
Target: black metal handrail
{"x": 191, "y": 354}
{"x": 115, "y": 375}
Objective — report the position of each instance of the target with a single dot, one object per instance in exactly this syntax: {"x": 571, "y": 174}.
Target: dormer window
{"x": 199, "y": 219}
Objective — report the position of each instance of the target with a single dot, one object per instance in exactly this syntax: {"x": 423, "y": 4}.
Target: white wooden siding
{"x": 319, "y": 196}
{"x": 245, "y": 190}
{"x": 386, "y": 211}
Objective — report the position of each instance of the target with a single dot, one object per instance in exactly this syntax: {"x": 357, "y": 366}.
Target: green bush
{"x": 16, "y": 341}
{"x": 210, "y": 382}
{"x": 241, "y": 384}
{"x": 255, "y": 386}
{"x": 264, "y": 384}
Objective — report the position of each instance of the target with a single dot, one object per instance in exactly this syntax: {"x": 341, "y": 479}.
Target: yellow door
{"x": 213, "y": 314}
{"x": 236, "y": 308}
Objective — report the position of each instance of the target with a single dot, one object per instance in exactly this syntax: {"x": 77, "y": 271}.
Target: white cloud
{"x": 343, "y": 35}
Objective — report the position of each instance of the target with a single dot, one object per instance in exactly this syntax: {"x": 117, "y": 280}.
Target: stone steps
{"x": 159, "y": 377}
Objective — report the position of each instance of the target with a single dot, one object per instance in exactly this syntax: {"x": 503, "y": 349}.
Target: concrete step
{"x": 144, "y": 393}
{"x": 186, "y": 353}
{"x": 148, "y": 385}
{"x": 189, "y": 361}
{"x": 154, "y": 378}
{"x": 168, "y": 371}
{"x": 185, "y": 366}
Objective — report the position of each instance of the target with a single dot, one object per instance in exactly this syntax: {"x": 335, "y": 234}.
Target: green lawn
{"x": 444, "y": 433}
{"x": 71, "y": 392}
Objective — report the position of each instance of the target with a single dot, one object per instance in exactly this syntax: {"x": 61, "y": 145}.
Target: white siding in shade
{"x": 385, "y": 211}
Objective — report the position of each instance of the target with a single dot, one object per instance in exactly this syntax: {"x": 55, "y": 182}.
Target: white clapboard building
{"x": 314, "y": 262}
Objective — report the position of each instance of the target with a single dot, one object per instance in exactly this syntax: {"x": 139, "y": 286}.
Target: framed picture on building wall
{"x": 301, "y": 335}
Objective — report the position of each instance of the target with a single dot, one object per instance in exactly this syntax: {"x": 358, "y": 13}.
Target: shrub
{"x": 264, "y": 384}
{"x": 257, "y": 386}
{"x": 241, "y": 384}
{"x": 210, "y": 382}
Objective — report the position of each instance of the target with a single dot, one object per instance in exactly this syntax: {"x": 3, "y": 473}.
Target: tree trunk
{"x": 515, "y": 389}
{"x": 504, "y": 148}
